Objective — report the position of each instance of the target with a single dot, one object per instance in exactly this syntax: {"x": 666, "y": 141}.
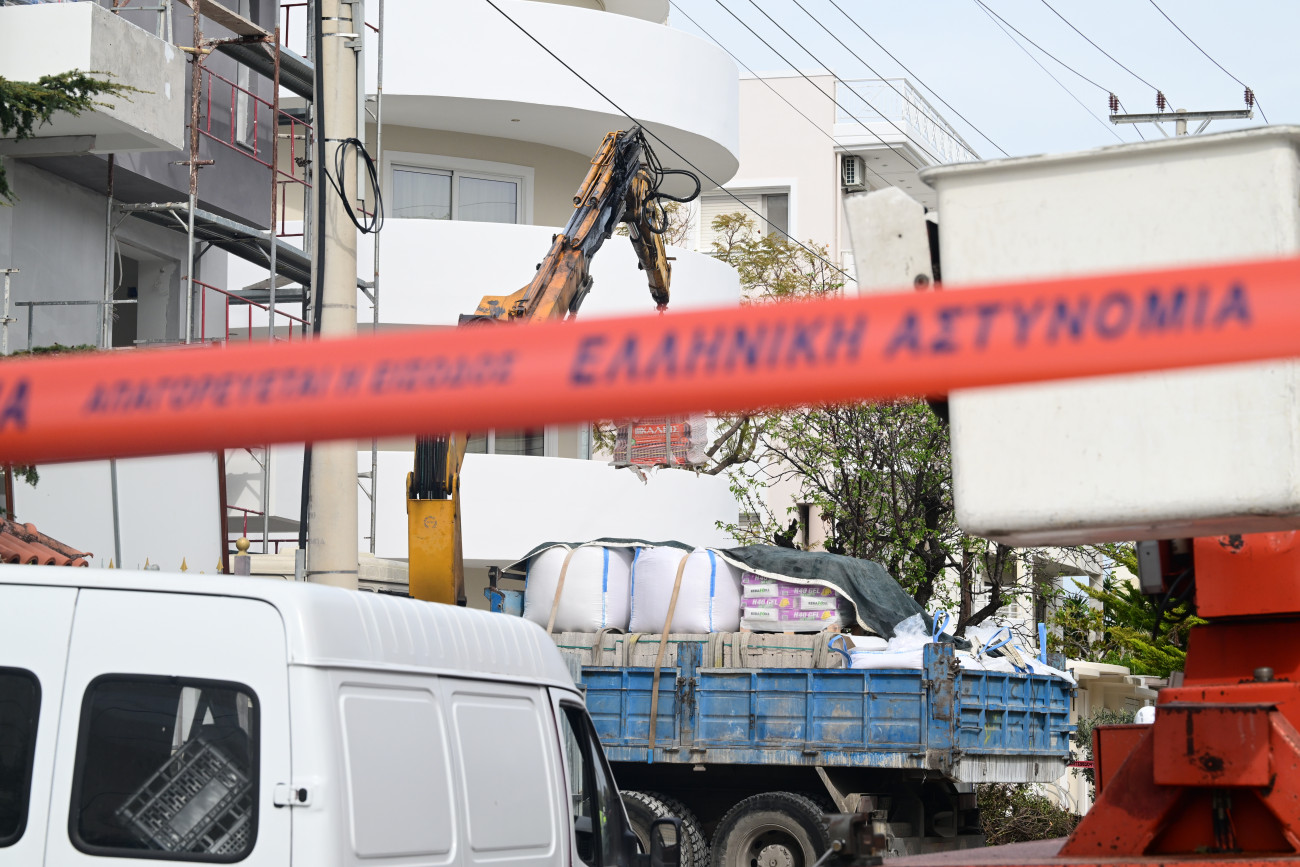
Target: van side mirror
{"x": 665, "y": 837}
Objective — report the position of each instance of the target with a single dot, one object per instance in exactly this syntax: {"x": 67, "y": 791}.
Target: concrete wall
{"x": 55, "y": 234}
{"x": 49, "y": 39}
{"x": 168, "y": 510}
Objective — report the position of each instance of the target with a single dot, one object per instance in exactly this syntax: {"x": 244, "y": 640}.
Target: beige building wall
{"x": 780, "y": 149}
{"x": 556, "y": 172}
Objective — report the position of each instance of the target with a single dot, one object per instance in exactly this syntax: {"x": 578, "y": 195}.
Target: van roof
{"x": 334, "y": 627}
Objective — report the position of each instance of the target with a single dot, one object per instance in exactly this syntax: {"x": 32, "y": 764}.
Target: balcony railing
{"x": 876, "y": 100}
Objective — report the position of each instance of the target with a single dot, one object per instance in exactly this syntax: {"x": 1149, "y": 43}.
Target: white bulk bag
{"x": 596, "y": 588}
{"x": 709, "y": 599}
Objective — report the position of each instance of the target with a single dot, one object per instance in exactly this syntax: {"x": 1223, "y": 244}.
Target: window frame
{"x": 79, "y": 768}
{"x": 594, "y": 763}
{"x": 787, "y": 187}
{"x": 26, "y": 783}
{"x": 459, "y": 167}
{"x": 550, "y": 443}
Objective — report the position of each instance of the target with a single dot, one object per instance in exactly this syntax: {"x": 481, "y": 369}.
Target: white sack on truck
{"x": 596, "y": 588}
{"x": 709, "y": 599}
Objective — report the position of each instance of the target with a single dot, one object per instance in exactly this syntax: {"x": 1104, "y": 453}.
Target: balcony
{"x": 50, "y": 38}
{"x": 482, "y": 76}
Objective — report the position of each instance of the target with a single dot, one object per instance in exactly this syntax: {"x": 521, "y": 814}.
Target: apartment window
{"x": 20, "y": 704}
{"x": 166, "y": 765}
{"x": 424, "y": 187}
{"x": 533, "y": 443}
{"x": 769, "y": 210}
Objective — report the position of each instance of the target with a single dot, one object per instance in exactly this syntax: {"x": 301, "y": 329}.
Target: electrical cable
{"x": 1102, "y": 50}
{"x": 1207, "y": 56}
{"x": 376, "y": 219}
{"x": 1003, "y": 24}
{"x": 661, "y": 141}
{"x": 815, "y": 59}
{"x": 933, "y": 92}
{"x": 318, "y": 258}
{"x": 834, "y": 141}
{"x": 805, "y": 77}
{"x": 950, "y": 135}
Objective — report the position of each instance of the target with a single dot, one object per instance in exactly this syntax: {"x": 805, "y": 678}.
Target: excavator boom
{"x": 621, "y": 186}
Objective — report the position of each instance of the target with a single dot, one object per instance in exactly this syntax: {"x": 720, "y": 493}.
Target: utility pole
{"x": 332, "y": 504}
{"x": 1180, "y": 117}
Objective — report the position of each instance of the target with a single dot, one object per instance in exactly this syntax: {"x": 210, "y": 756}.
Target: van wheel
{"x": 644, "y": 807}
{"x": 774, "y": 829}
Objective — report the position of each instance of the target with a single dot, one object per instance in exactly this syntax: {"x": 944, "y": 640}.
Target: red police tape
{"x": 190, "y": 399}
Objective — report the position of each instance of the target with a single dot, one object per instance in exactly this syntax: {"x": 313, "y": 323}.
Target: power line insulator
{"x": 1161, "y": 102}
{"x": 1114, "y": 104}
{"x": 1250, "y": 98}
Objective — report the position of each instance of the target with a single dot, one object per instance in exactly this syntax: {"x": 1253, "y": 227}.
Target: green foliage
{"x": 1117, "y": 624}
{"x": 770, "y": 265}
{"x": 25, "y": 106}
{"x": 1018, "y": 814}
{"x": 878, "y": 474}
{"x": 1082, "y": 737}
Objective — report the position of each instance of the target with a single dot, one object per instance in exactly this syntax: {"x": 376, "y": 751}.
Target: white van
{"x": 219, "y": 719}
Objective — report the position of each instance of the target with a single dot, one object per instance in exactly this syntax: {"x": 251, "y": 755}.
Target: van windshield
{"x": 20, "y": 703}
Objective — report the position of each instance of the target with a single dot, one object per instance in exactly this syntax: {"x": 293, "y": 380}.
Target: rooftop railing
{"x": 876, "y": 100}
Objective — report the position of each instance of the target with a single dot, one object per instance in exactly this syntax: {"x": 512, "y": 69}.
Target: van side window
{"x": 166, "y": 765}
{"x": 595, "y": 802}
{"x": 20, "y": 704}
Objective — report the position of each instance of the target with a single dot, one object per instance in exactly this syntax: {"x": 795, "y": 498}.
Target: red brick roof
{"x": 23, "y": 543}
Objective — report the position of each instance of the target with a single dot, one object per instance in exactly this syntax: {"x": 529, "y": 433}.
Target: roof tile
{"x": 23, "y": 543}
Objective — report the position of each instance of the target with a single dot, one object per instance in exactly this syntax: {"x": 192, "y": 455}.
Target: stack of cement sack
{"x": 770, "y": 605}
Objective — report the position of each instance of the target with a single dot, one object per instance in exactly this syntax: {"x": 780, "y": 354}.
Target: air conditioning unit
{"x": 853, "y": 173}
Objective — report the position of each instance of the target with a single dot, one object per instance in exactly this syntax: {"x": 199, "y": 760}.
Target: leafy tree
{"x": 25, "y": 106}
{"x": 1120, "y": 625}
{"x": 1082, "y": 737}
{"x": 878, "y": 474}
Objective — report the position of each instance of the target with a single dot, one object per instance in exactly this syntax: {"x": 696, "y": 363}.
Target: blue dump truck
{"x": 750, "y": 738}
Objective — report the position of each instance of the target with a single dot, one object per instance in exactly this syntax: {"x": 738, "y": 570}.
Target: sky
{"x": 958, "y": 51}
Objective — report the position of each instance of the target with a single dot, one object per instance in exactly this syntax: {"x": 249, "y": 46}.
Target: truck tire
{"x": 644, "y": 807}
{"x": 774, "y": 829}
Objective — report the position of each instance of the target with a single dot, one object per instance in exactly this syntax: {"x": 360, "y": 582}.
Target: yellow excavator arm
{"x": 622, "y": 186}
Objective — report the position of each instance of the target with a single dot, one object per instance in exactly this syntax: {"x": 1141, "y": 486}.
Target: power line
{"x": 654, "y": 136}
{"x": 778, "y": 93}
{"x": 816, "y": 86}
{"x": 953, "y": 136}
{"x": 933, "y": 92}
{"x": 1002, "y": 25}
{"x": 1102, "y": 50}
{"x": 851, "y": 90}
{"x": 1211, "y": 59}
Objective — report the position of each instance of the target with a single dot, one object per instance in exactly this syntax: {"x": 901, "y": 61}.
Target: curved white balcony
{"x": 462, "y": 67}
{"x": 432, "y": 271}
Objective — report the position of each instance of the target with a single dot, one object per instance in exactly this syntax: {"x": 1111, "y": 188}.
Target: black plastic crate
{"x": 200, "y": 801}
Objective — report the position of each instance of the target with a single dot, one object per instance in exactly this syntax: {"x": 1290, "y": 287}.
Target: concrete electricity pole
{"x": 332, "y": 504}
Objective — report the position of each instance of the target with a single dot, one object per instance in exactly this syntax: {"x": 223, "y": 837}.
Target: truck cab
{"x": 218, "y": 719}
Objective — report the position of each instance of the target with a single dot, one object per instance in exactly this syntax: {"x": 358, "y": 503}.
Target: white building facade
{"x": 483, "y": 144}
